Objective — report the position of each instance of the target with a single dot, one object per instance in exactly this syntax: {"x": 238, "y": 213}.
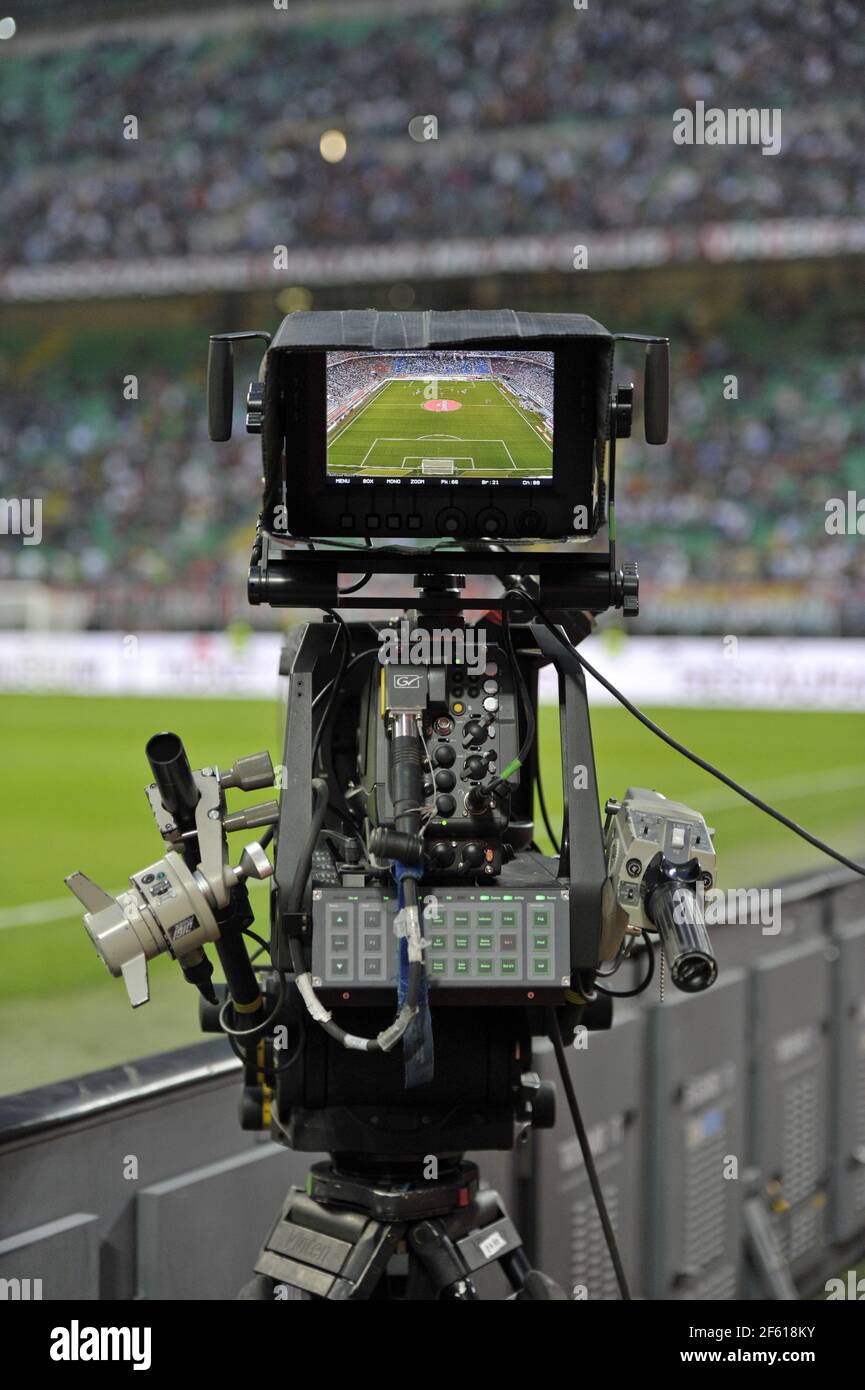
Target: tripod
{"x": 336, "y": 1240}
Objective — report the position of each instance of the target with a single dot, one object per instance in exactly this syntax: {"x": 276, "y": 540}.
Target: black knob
{"x": 473, "y": 855}
{"x": 441, "y": 854}
{"x": 544, "y": 1106}
{"x": 444, "y": 755}
{"x": 445, "y": 805}
{"x": 445, "y": 780}
{"x": 477, "y": 801}
{"x": 630, "y": 589}
{"x": 475, "y": 732}
{"x": 475, "y": 766}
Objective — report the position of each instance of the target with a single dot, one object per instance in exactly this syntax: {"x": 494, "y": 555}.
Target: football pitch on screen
{"x": 469, "y": 427}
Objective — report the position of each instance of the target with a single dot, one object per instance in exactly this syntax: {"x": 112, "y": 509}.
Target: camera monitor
{"x": 426, "y": 425}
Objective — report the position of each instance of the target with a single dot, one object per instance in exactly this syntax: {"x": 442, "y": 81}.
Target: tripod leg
{"x": 539, "y": 1286}
{"x": 445, "y": 1270}
{"x": 491, "y": 1237}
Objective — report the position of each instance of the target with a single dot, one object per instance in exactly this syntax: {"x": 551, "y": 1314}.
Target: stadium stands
{"x": 549, "y": 120}
{"x": 545, "y": 123}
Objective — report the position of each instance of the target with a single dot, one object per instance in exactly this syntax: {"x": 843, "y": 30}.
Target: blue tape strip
{"x": 417, "y": 1043}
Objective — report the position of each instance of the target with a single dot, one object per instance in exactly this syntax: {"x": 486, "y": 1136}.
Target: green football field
{"x": 469, "y": 427}
{"x": 73, "y": 799}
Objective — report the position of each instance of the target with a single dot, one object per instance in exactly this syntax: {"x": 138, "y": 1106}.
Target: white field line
{"x": 524, "y": 418}
{"x": 796, "y": 786}
{"x": 428, "y": 438}
{"x": 377, "y": 391}
{"x": 34, "y": 914}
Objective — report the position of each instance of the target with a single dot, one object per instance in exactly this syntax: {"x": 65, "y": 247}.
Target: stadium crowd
{"x": 534, "y": 382}
{"x": 345, "y": 378}
{"x": 226, "y": 156}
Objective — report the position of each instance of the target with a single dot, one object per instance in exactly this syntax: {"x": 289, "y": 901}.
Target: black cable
{"x": 555, "y": 1035}
{"x": 335, "y": 684}
{"x": 522, "y": 689}
{"x": 369, "y": 651}
{"x": 686, "y": 752}
{"x": 638, "y": 989}
{"x": 557, "y": 848}
{"x": 284, "y": 1066}
{"x": 304, "y": 859}
{"x": 253, "y": 936}
{"x": 353, "y": 588}
{"x": 258, "y": 1030}
{"x": 364, "y": 579}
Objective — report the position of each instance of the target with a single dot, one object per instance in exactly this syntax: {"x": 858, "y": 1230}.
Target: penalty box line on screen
{"x": 413, "y": 439}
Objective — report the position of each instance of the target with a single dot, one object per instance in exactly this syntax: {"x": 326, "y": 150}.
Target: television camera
{"x": 419, "y": 938}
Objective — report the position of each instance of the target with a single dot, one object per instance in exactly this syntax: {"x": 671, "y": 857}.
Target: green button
{"x": 438, "y": 943}
{"x": 339, "y": 943}
{"x": 541, "y": 966}
{"x": 461, "y": 919}
{"x": 509, "y": 967}
{"x": 461, "y": 967}
{"x": 540, "y": 918}
{"x": 485, "y": 943}
{"x": 438, "y": 967}
{"x": 541, "y": 943}
{"x": 339, "y": 919}
{"x": 485, "y": 919}
{"x": 485, "y": 967}
{"x": 434, "y": 919}
{"x": 509, "y": 919}
{"x": 461, "y": 943}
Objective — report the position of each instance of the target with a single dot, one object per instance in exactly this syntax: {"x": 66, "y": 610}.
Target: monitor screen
{"x": 440, "y": 417}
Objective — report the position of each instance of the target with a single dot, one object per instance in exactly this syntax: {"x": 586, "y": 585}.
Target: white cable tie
{"x": 311, "y": 1000}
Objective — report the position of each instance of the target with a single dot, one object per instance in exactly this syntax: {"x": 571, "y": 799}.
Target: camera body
{"x": 409, "y": 902}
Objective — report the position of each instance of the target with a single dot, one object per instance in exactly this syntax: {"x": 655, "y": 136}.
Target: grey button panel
{"x": 473, "y": 939}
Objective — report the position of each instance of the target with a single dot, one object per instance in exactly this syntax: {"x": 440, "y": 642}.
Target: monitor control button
{"x": 451, "y": 521}
{"x": 531, "y": 524}
{"x": 491, "y": 522}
